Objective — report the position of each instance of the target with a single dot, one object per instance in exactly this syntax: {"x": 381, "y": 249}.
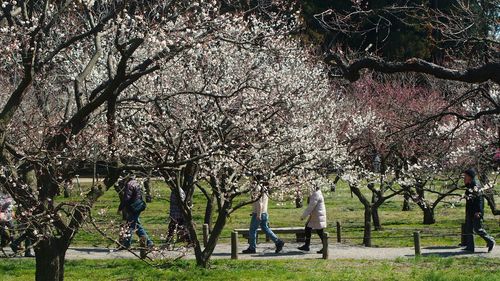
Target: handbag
{"x": 138, "y": 206}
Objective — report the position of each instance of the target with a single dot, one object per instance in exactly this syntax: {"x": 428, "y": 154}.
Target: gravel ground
{"x": 290, "y": 251}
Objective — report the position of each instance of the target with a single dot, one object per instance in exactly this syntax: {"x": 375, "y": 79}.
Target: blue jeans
{"x": 135, "y": 224}
{"x": 254, "y": 225}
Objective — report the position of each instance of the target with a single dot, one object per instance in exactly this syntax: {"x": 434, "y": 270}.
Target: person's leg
{"x": 320, "y": 234}
{"x": 130, "y": 226}
{"x": 184, "y": 231}
{"x": 264, "y": 225}
{"x": 17, "y": 242}
{"x": 307, "y": 232}
{"x": 141, "y": 232}
{"x": 11, "y": 229}
{"x": 144, "y": 241}
{"x": 4, "y": 236}
{"x": 479, "y": 229}
{"x": 27, "y": 247}
{"x": 171, "y": 230}
{"x": 252, "y": 233}
{"x": 469, "y": 237}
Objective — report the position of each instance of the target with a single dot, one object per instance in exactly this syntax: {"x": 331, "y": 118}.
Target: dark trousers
{"x": 308, "y": 232}
{"x": 6, "y": 233}
{"x": 473, "y": 224}
{"x": 177, "y": 224}
{"x": 27, "y": 242}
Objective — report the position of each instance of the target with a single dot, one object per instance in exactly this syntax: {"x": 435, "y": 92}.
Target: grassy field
{"x": 340, "y": 207}
{"x": 428, "y": 269}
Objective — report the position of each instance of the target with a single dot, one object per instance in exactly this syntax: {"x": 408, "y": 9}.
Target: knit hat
{"x": 470, "y": 172}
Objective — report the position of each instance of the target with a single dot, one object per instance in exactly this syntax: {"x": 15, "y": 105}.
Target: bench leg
{"x": 301, "y": 237}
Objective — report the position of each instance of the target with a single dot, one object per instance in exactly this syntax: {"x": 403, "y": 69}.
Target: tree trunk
{"x": 406, "y": 203}
{"x": 490, "y": 199}
{"x": 367, "y": 236}
{"x": 376, "y": 219}
{"x": 203, "y": 256}
{"x": 50, "y": 255}
{"x": 209, "y": 209}
{"x": 299, "y": 203}
{"x": 66, "y": 191}
{"x": 213, "y": 239}
{"x": 147, "y": 189}
{"x": 29, "y": 177}
{"x": 429, "y": 215}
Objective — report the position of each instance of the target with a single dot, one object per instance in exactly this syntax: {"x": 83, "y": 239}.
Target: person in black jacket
{"x": 474, "y": 212}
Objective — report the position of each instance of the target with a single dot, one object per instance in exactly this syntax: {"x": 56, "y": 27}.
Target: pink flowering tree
{"x": 383, "y": 140}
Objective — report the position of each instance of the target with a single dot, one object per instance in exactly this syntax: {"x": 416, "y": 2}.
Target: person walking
{"x": 474, "y": 212}
{"x": 131, "y": 206}
{"x": 176, "y": 223}
{"x": 260, "y": 218}
{"x": 6, "y": 219}
{"x": 26, "y": 233}
{"x": 316, "y": 211}
{"x": 7, "y": 230}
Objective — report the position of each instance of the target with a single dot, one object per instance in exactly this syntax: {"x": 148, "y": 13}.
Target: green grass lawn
{"x": 340, "y": 207}
{"x": 428, "y": 269}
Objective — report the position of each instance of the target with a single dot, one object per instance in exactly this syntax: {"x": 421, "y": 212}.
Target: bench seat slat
{"x": 276, "y": 230}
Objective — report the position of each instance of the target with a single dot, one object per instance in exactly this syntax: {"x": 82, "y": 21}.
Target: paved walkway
{"x": 266, "y": 251}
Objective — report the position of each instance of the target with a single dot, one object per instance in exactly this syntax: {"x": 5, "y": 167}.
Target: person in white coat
{"x": 316, "y": 211}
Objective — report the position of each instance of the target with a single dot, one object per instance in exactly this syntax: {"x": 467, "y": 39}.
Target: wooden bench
{"x": 298, "y": 231}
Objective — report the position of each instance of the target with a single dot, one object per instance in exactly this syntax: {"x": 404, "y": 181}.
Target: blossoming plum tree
{"x": 64, "y": 66}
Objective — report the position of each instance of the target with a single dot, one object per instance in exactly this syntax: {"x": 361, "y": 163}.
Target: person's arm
{"x": 478, "y": 205}
{"x": 475, "y": 197}
{"x": 313, "y": 201}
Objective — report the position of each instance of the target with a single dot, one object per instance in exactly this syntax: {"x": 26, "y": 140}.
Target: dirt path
{"x": 266, "y": 251}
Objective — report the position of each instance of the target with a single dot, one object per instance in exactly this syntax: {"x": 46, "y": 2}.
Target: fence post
{"x": 234, "y": 245}
{"x": 339, "y": 233}
{"x": 325, "y": 245}
{"x": 205, "y": 234}
{"x": 416, "y": 240}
